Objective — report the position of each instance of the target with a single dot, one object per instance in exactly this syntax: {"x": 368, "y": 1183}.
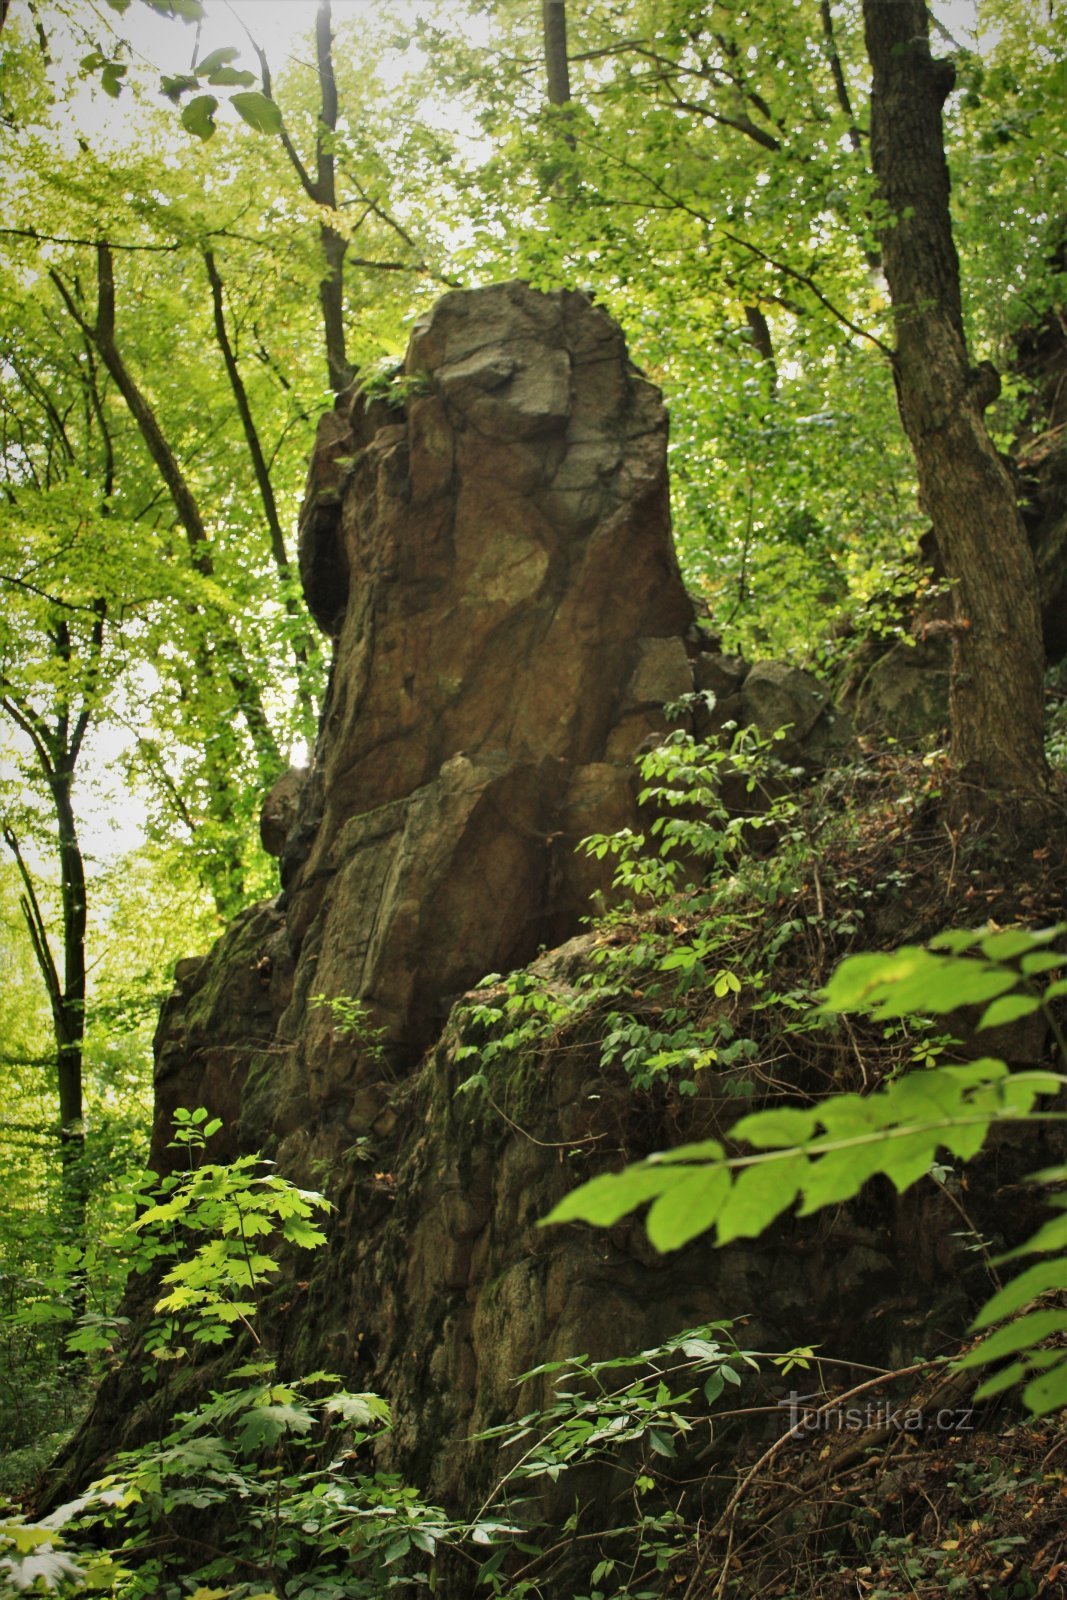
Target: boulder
{"x": 904, "y": 695}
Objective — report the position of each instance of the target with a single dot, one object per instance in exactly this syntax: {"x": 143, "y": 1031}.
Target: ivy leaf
{"x": 199, "y": 116}
{"x": 259, "y": 112}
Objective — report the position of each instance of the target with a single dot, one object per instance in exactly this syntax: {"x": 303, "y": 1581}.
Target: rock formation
{"x": 488, "y": 546}
{"x": 490, "y": 550}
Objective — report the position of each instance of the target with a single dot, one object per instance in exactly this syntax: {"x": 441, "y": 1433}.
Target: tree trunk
{"x": 554, "y": 18}
{"x": 66, "y": 997}
{"x": 227, "y": 647}
{"x": 334, "y": 246}
{"x": 997, "y": 710}
{"x": 296, "y": 613}
{"x": 70, "y": 1019}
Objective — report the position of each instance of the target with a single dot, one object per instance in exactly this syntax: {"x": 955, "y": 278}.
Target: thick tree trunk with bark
{"x": 998, "y": 660}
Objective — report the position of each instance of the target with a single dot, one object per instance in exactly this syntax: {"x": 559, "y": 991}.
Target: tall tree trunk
{"x": 102, "y": 334}
{"x": 66, "y": 998}
{"x": 759, "y": 328}
{"x": 334, "y": 245}
{"x": 70, "y": 1030}
{"x": 295, "y": 613}
{"x": 997, "y": 708}
{"x": 554, "y": 19}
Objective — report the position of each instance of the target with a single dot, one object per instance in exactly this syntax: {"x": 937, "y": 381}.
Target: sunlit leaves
{"x": 896, "y": 1131}
{"x": 822, "y": 1155}
{"x": 199, "y": 115}
{"x": 259, "y": 112}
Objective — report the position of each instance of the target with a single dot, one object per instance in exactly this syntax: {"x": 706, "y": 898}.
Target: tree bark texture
{"x": 997, "y": 707}
{"x": 554, "y": 18}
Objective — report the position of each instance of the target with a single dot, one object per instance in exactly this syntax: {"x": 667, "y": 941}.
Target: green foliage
{"x": 823, "y": 1154}
{"x": 664, "y": 980}
{"x": 352, "y": 1019}
{"x": 695, "y": 834}
{"x": 279, "y": 1466}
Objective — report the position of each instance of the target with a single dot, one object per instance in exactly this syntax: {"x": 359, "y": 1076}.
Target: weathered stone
{"x": 279, "y": 810}
{"x": 661, "y": 673}
{"x": 511, "y": 589}
{"x": 904, "y": 696}
{"x": 723, "y": 675}
{"x": 778, "y": 695}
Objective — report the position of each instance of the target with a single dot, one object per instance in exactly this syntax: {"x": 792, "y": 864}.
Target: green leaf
{"x": 1036, "y": 1280}
{"x": 227, "y": 77}
{"x": 198, "y": 116}
{"x": 303, "y": 1234}
{"x": 704, "y": 1150}
{"x": 218, "y": 58}
{"x": 759, "y": 1194}
{"x": 1021, "y": 1334}
{"x": 175, "y": 87}
{"x": 188, "y": 10}
{"x": 111, "y": 79}
{"x": 913, "y": 981}
{"x": 768, "y": 1130}
{"x": 603, "y": 1200}
{"x": 362, "y": 1410}
{"x": 264, "y": 1425}
{"x": 1009, "y": 1008}
{"x": 259, "y": 112}
{"x": 691, "y": 1204}
{"x": 956, "y": 940}
{"x": 713, "y": 1387}
{"x": 1048, "y": 1391}
{"x": 1004, "y": 1379}
{"x": 1008, "y": 943}
{"x": 1052, "y": 1235}
{"x": 1042, "y": 961}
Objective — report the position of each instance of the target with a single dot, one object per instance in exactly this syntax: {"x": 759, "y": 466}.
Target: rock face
{"x": 492, "y": 556}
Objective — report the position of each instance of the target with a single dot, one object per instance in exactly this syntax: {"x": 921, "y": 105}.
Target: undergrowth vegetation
{"x": 710, "y": 982}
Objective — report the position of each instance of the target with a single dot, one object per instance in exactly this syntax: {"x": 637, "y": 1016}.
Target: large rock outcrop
{"x": 489, "y": 548}
{"x": 491, "y": 554}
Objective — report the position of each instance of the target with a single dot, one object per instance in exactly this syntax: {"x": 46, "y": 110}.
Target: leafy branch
{"x": 823, "y": 1155}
